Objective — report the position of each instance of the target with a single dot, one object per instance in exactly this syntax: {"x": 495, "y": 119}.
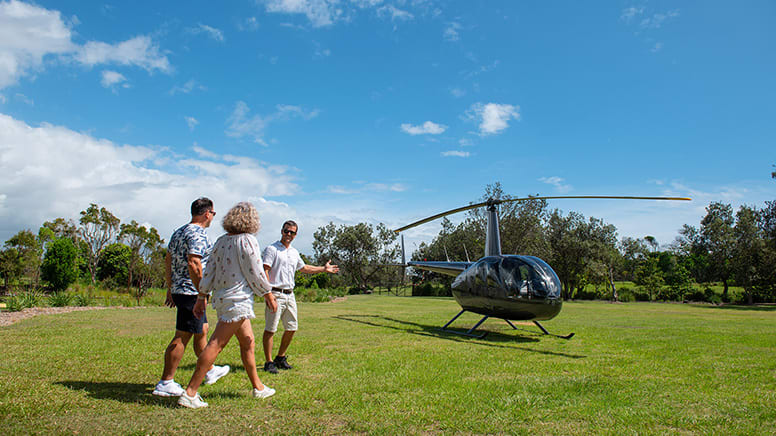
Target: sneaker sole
{"x": 164, "y": 394}
{"x": 213, "y": 380}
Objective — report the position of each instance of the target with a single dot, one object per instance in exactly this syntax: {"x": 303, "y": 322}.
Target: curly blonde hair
{"x": 242, "y": 218}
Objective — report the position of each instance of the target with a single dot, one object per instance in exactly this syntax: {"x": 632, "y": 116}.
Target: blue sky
{"x": 383, "y": 110}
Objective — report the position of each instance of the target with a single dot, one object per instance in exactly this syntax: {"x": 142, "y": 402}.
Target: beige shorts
{"x": 286, "y": 311}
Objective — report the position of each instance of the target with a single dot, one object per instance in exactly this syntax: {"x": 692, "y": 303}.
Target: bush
{"x": 22, "y": 301}
{"x": 313, "y": 295}
{"x": 83, "y": 300}
{"x": 60, "y": 264}
{"x": 60, "y": 299}
{"x": 429, "y": 290}
{"x": 625, "y": 294}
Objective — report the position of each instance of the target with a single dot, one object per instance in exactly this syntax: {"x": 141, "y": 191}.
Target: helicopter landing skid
{"x": 568, "y": 336}
{"x": 469, "y": 332}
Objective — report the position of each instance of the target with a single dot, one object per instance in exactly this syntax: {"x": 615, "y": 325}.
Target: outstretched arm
{"x": 328, "y": 268}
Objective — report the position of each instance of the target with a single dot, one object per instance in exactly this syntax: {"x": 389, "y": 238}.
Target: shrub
{"x": 23, "y": 301}
{"x": 60, "y": 299}
{"x": 83, "y": 300}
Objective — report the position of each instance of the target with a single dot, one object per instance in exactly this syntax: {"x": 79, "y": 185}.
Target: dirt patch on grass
{"x": 8, "y": 318}
{"x": 338, "y": 300}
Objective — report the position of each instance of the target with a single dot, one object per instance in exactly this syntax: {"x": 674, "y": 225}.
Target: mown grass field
{"x": 376, "y": 365}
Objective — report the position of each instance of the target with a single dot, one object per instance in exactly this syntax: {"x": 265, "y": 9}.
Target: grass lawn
{"x": 376, "y": 364}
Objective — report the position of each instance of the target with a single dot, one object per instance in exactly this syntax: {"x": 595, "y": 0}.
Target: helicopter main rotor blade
{"x": 549, "y": 197}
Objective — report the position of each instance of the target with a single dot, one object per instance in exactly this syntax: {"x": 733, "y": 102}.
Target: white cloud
{"x": 395, "y": 13}
{"x": 465, "y": 142}
{"x": 24, "y": 99}
{"x": 321, "y": 13}
{"x": 457, "y": 92}
{"x": 249, "y": 24}
{"x": 427, "y": 128}
{"x": 139, "y": 51}
{"x": 28, "y": 33}
{"x": 557, "y": 182}
{"x": 112, "y": 78}
{"x": 629, "y": 13}
{"x": 494, "y": 118}
{"x": 212, "y": 32}
{"x": 187, "y": 87}
{"x": 192, "y": 122}
{"x": 367, "y": 187}
{"x": 52, "y": 171}
{"x": 455, "y": 153}
{"x": 242, "y": 125}
{"x": 383, "y": 187}
{"x": 657, "y": 20}
{"x": 451, "y": 32}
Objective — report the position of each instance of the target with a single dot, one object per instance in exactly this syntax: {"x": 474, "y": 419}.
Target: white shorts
{"x": 286, "y": 311}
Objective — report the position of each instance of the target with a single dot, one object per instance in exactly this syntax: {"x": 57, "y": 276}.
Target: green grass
{"x": 375, "y": 364}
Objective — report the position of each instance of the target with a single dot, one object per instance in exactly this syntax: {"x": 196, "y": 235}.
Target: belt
{"x": 285, "y": 291}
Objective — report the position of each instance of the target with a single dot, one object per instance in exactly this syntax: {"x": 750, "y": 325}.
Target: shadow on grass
{"x": 754, "y": 308}
{"x": 434, "y": 331}
{"x": 134, "y": 393}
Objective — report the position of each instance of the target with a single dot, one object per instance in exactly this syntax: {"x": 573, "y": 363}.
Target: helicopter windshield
{"x": 528, "y": 277}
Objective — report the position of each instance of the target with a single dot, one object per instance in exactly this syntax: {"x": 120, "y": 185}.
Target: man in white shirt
{"x": 281, "y": 262}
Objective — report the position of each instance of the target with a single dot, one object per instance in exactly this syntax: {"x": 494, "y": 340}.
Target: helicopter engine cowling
{"x": 510, "y": 287}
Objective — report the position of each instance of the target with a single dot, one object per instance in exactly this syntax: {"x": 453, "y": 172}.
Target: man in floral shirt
{"x": 187, "y": 255}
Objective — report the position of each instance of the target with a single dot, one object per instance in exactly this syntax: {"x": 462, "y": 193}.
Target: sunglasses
{"x": 289, "y": 232}
{"x": 213, "y": 212}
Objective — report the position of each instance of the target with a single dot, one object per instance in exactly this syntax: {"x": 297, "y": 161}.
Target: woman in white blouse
{"x": 233, "y": 274}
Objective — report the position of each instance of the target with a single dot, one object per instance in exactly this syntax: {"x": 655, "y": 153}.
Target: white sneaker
{"x": 264, "y": 393}
{"x": 171, "y": 389}
{"x": 216, "y": 373}
{"x": 194, "y": 402}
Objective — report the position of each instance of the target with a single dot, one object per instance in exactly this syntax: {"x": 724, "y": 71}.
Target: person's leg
{"x": 224, "y": 331}
{"x": 247, "y": 352}
{"x": 174, "y": 353}
{"x": 285, "y": 342}
{"x": 290, "y": 325}
{"x": 266, "y": 342}
{"x": 271, "y": 320}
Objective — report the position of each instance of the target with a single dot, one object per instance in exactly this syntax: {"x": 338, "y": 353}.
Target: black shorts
{"x": 186, "y": 321}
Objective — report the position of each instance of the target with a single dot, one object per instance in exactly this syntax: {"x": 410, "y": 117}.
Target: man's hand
{"x": 199, "y": 308}
{"x": 270, "y": 301}
{"x": 168, "y": 301}
{"x": 331, "y": 269}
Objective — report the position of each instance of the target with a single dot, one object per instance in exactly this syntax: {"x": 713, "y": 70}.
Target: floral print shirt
{"x": 189, "y": 239}
{"x": 235, "y": 269}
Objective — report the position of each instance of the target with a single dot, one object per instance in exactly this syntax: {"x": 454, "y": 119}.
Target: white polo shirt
{"x": 283, "y": 263}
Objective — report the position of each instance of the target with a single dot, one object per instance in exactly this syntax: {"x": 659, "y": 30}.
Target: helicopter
{"x": 509, "y": 287}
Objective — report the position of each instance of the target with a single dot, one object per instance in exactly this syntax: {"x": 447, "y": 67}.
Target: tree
{"x": 568, "y": 251}
{"x": 11, "y": 265}
{"x": 60, "y": 264}
{"x": 114, "y": 263}
{"x": 360, "y": 250}
{"x": 717, "y": 236}
{"x": 747, "y": 259}
{"x": 63, "y": 228}
{"x": 634, "y": 252}
{"x": 143, "y": 243}
{"x": 652, "y": 242}
{"x": 98, "y": 228}
{"x": 28, "y": 249}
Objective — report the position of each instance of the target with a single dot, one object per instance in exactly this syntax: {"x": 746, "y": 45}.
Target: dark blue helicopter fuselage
{"x": 510, "y": 287}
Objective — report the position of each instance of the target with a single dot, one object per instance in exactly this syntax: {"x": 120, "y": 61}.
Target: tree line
{"x": 733, "y": 248}
{"x": 96, "y": 248}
